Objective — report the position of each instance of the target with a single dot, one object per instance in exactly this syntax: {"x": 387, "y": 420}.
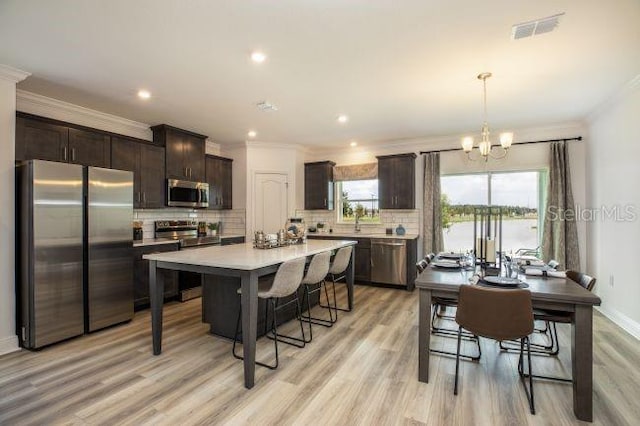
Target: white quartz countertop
{"x": 361, "y": 235}
{"x": 244, "y": 256}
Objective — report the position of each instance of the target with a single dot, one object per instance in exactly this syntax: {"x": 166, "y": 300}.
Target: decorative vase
{"x": 400, "y": 230}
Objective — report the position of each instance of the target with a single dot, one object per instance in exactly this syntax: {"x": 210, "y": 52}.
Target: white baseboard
{"x": 9, "y": 344}
{"x": 621, "y": 320}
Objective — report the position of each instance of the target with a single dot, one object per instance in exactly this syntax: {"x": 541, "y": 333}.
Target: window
{"x": 358, "y": 197}
{"x": 519, "y": 193}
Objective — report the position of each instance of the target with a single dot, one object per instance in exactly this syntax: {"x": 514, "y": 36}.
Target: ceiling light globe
{"x": 485, "y": 148}
{"x": 467, "y": 144}
{"x": 506, "y": 139}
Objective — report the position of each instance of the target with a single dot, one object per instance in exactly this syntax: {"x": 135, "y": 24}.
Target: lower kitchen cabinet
{"x": 141, "y": 275}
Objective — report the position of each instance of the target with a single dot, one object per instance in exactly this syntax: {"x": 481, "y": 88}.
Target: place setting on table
{"x": 504, "y": 271}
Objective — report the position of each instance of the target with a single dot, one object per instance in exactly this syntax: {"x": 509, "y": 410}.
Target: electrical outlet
{"x": 610, "y": 280}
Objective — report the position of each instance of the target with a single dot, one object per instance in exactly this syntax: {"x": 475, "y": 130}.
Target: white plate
{"x": 502, "y": 281}
{"x": 445, "y": 264}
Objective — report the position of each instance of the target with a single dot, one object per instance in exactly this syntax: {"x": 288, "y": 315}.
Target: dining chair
{"x": 499, "y": 314}
{"x": 314, "y": 282}
{"x": 284, "y": 286}
{"x": 551, "y": 318}
{"x": 337, "y": 273}
{"x": 438, "y": 303}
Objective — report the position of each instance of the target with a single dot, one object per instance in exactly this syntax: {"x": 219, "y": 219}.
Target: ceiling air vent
{"x": 266, "y": 106}
{"x": 539, "y": 26}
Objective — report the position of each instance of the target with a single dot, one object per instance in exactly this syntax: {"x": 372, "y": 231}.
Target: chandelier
{"x": 484, "y": 147}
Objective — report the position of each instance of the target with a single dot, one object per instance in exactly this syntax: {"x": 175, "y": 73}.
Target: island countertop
{"x": 244, "y": 256}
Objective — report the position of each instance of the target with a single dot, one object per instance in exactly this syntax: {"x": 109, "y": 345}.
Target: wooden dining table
{"x": 559, "y": 294}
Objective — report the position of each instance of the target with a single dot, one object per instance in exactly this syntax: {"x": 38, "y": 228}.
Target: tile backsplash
{"x": 233, "y": 221}
{"x": 410, "y": 220}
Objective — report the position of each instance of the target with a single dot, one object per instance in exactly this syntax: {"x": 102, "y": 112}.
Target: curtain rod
{"x": 577, "y": 138}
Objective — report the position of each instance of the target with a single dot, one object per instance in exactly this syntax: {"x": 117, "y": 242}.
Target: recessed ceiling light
{"x": 258, "y": 57}
{"x": 353, "y": 143}
{"x": 144, "y": 94}
{"x": 343, "y": 118}
{"x": 252, "y": 133}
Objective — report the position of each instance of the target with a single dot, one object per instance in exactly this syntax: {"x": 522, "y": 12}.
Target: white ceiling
{"x": 398, "y": 68}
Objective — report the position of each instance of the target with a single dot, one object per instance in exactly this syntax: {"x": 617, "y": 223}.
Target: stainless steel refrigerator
{"x": 74, "y": 250}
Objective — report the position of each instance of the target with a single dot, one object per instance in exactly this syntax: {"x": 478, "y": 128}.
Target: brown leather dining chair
{"x": 499, "y": 314}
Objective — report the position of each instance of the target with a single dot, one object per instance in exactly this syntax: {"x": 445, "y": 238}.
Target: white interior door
{"x": 270, "y": 202}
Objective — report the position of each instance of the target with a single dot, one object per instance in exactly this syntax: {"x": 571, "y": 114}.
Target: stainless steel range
{"x": 186, "y": 231}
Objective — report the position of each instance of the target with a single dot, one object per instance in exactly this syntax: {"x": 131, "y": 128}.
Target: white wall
{"x": 613, "y": 153}
{"x": 257, "y": 157}
{"x": 8, "y": 79}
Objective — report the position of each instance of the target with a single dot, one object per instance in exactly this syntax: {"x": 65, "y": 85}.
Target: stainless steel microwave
{"x": 184, "y": 193}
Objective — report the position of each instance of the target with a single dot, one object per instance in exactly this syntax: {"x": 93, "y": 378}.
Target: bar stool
{"x": 285, "y": 284}
{"x": 337, "y": 272}
{"x": 313, "y": 282}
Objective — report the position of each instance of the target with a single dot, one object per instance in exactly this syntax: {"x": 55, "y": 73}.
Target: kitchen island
{"x": 243, "y": 262}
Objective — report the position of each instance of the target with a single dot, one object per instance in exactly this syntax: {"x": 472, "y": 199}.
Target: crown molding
{"x": 11, "y": 74}
{"x": 627, "y": 89}
{"x": 33, "y": 103}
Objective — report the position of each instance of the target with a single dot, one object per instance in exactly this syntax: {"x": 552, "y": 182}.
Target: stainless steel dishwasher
{"x": 389, "y": 261}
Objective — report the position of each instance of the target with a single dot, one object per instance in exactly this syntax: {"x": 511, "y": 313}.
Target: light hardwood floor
{"x": 361, "y": 371}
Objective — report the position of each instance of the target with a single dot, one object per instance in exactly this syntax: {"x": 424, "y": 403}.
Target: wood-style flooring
{"x": 361, "y": 371}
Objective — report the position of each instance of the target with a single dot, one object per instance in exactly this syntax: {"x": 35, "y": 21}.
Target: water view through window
{"x": 518, "y": 193}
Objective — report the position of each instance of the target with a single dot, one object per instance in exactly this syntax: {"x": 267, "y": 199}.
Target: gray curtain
{"x": 560, "y": 234}
{"x": 432, "y": 231}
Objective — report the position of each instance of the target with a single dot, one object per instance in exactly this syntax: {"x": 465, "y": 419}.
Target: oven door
{"x": 183, "y": 193}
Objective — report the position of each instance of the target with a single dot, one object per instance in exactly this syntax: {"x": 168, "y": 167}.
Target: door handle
{"x": 138, "y": 197}
{"x": 64, "y": 153}
{"x": 144, "y": 197}
{"x": 186, "y": 172}
{"x": 325, "y": 202}
{"x": 73, "y": 154}
{"x": 390, "y": 244}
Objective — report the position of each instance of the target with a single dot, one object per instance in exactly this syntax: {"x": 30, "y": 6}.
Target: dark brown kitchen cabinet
{"x": 146, "y": 161}
{"x": 396, "y": 181}
{"x": 362, "y": 259}
{"x": 184, "y": 152}
{"x": 318, "y": 185}
{"x": 141, "y": 275}
{"x": 89, "y": 148}
{"x": 39, "y": 138}
{"x": 219, "y": 177}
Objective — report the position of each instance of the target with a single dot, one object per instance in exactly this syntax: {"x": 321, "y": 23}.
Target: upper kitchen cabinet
{"x": 40, "y": 138}
{"x": 219, "y": 177}
{"x": 184, "y": 152}
{"x": 318, "y": 185}
{"x": 396, "y": 181}
{"x": 147, "y": 163}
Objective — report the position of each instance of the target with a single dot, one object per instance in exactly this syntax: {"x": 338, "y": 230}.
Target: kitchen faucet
{"x": 357, "y": 228}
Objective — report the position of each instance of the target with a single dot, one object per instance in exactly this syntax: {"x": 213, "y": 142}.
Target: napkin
{"x": 531, "y": 262}
{"x": 540, "y": 272}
